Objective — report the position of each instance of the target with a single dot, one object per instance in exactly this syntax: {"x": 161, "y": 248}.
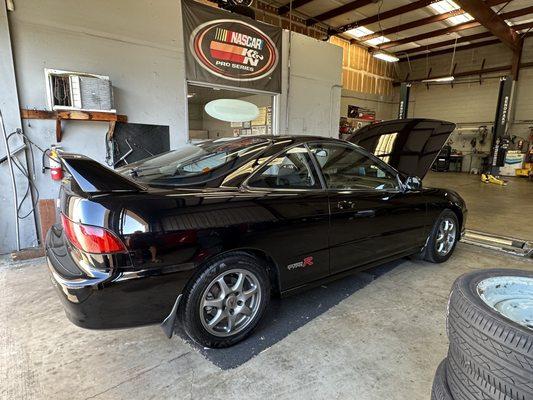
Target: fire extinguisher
{"x": 56, "y": 172}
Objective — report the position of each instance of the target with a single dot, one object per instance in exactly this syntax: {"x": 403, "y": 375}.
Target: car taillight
{"x": 91, "y": 239}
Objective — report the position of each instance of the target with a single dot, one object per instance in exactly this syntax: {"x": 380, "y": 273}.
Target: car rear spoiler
{"x": 93, "y": 177}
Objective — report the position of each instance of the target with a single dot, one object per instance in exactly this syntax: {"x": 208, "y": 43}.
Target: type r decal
{"x": 307, "y": 262}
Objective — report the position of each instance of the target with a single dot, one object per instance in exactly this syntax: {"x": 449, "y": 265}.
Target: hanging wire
{"x": 453, "y": 56}
{"x": 31, "y": 184}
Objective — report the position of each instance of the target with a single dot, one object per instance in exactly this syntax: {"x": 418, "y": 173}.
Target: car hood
{"x": 409, "y": 145}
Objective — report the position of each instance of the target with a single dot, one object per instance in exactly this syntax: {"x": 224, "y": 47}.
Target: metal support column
{"x": 403, "y": 107}
{"x": 500, "y": 140}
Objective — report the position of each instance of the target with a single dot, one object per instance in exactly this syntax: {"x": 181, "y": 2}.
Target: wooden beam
{"x": 503, "y": 68}
{"x": 59, "y": 116}
{"x": 495, "y": 23}
{"x": 459, "y": 48}
{"x": 452, "y": 29}
{"x": 428, "y": 35}
{"x": 413, "y": 24}
{"x": 353, "y": 5}
{"x": 415, "y": 5}
{"x": 462, "y": 39}
{"x": 295, "y": 4}
{"x": 517, "y": 58}
{"x": 74, "y": 115}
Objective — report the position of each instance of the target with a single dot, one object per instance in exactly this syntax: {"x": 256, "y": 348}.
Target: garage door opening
{"x": 216, "y": 112}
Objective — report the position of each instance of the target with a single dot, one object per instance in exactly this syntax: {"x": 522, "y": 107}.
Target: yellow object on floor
{"x": 487, "y": 178}
{"x": 522, "y": 172}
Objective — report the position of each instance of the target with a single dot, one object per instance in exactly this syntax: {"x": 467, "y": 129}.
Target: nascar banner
{"x": 228, "y": 49}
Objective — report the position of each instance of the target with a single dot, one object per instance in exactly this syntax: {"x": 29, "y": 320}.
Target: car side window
{"x": 347, "y": 168}
{"x": 292, "y": 169}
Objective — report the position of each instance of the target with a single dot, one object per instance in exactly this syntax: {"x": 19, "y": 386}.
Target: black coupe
{"x": 206, "y": 233}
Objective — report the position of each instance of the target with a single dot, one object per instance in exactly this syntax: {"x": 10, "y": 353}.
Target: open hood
{"x": 409, "y": 145}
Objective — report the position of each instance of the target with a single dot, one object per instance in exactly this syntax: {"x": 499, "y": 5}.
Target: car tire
{"x": 491, "y": 356}
{"x": 440, "y": 390}
{"x": 431, "y": 251}
{"x": 237, "y": 309}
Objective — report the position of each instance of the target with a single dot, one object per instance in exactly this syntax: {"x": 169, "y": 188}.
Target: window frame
{"x": 314, "y": 169}
{"x": 377, "y": 160}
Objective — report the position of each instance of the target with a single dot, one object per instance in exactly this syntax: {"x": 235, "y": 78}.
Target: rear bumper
{"x": 98, "y": 299}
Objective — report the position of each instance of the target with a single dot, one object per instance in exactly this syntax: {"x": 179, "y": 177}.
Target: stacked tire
{"x": 490, "y": 330}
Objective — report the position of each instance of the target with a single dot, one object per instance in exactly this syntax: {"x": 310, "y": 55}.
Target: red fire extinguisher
{"x": 56, "y": 172}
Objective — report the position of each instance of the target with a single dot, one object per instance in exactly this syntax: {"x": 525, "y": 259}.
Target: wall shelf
{"x": 66, "y": 115}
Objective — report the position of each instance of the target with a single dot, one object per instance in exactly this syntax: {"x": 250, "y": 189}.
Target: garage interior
{"x": 343, "y": 64}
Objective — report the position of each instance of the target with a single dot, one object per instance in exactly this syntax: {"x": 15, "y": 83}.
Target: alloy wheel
{"x": 446, "y": 236}
{"x": 230, "y": 302}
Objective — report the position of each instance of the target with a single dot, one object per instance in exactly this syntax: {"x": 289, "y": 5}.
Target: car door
{"x": 288, "y": 186}
{"x": 372, "y": 218}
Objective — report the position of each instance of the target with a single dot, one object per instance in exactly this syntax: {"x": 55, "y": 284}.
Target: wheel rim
{"x": 230, "y": 302}
{"x": 510, "y": 296}
{"x": 446, "y": 236}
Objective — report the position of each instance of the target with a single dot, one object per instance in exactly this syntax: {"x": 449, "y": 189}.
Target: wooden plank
{"x": 73, "y": 115}
{"x": 47, "y": 216}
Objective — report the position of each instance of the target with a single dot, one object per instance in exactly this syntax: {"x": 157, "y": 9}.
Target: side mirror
{"x": 413, "y": 183}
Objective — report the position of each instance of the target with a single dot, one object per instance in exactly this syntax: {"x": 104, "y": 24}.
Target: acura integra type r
{"x": 207, "y": 233}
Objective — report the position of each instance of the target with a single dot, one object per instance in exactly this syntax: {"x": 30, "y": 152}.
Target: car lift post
{"x": 403, "y": 106}
{"x": 500, "y": 142}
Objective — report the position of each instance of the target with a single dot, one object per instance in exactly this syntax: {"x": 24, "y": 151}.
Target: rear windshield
{"x": 194, "y": 160}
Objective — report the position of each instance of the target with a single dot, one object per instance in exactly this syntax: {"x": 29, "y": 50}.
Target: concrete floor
{"x": 514, "y": 202}
{"x": 384, "y": 341}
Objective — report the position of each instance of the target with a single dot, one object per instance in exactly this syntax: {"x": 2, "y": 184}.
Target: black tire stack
{"x": 490, "y": 356}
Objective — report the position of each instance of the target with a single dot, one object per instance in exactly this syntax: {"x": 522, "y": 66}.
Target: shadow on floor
{"x": 286, "y": 315}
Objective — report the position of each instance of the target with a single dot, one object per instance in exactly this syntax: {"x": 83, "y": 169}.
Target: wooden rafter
{"x": 415, "y": 5}
{"x": 482, "y": 71}
{"x": 292, "y": 4}
{"x": 428, "y": 35}
{"x": 452, "y": 29}
{"x": 462, "y": 39}
{"x": 459, "y": 48}
{"x": 492, "y": 21}
{"x": 353, "y": 5}
{"x": 413, "y": 24}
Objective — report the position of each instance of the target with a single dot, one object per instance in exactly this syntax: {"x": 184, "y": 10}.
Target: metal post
{"x": 13, "y": 183}
{"x": 403, "y": 107}
{"x": 501, "y": 123}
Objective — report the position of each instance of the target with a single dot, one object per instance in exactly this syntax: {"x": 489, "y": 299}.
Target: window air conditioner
{"x": 67, "y": 90}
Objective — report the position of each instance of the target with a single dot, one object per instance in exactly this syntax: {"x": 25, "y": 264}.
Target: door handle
{"x": 345, "y": 205}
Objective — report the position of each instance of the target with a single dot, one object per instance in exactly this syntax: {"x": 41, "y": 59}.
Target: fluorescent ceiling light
{"x": 443, "y": 79}
{"x": 359, "y": 32}
{"x": 377, "y": 41}
{"x": 459, "y": 19}
{"x": 386, "y": 57}
{"x": 444, "y": 6}
{"x": 190, "y": 95}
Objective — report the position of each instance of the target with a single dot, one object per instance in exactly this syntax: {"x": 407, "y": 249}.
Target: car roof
{"x": 298, "y": 138}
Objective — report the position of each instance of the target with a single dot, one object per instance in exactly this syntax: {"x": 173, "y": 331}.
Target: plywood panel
{"x": 362, "y": 72}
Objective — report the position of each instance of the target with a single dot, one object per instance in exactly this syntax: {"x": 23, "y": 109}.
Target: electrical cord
{"x": 26, "y": 173}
